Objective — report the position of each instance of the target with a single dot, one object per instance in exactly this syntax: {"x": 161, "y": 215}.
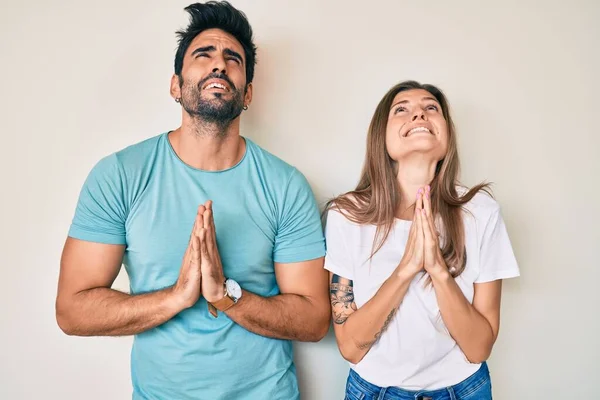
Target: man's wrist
{"x": 174, "y": 302}
{"x": 218, "y": 293}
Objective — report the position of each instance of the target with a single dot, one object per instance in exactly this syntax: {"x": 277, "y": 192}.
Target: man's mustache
{"x": 216, "y": 75}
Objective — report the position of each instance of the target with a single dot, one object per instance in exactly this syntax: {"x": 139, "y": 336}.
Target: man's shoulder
{"x": 126, "y": 163}
{"x": 271, "y": 164}
{"x": 139, "y": 153}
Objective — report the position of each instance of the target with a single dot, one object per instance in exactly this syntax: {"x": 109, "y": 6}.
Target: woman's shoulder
{"x": 484, "y": 200}
{"x": 481, "y": 210}
{"x": 339, "y": 210}
{"x": 482, "y": 205}
{"x": 339, "y": 214}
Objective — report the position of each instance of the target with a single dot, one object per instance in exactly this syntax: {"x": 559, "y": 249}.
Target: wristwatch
{"x": 233, "y": 292}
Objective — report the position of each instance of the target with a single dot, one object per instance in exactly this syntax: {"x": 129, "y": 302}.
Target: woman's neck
{"x": 413, "y": 174}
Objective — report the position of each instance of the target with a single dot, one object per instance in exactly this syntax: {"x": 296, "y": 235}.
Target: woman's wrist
{"x": 404, "y": 274}
{"x": 440, "y": 274}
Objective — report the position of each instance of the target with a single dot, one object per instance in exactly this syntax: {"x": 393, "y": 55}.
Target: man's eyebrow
{"x": 235, "y": 54}
{"x": 203, "y": 49}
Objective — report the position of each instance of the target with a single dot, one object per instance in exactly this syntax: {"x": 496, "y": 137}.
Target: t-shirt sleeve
{"x": 100, "y": 213}
{"x": 497, "y": 259}
{"x": 300, "y": 233}
{"x": 338, "y": 259}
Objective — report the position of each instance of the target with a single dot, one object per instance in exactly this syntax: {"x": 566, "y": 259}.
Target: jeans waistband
{"x": 461, "y": 389}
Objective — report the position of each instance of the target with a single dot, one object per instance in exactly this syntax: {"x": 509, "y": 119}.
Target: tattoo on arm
{"x": 343, "y": 305}
{"x": 342, "y": 298}
{"x": 389, "y": 319}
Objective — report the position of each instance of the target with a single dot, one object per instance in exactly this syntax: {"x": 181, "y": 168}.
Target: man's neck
{"x": 209, "y": 147}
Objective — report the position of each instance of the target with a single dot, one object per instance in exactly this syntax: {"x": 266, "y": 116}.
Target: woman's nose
{"x": 419, "y": 115}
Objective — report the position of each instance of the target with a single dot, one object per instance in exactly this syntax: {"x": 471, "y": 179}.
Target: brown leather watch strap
{"x": 222, "y": 305}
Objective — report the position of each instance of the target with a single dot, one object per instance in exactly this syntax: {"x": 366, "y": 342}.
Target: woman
{"x": 416, "y": 261}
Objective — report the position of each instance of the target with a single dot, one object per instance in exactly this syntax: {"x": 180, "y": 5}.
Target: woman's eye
{"x": 432, "y": 107}
{"x": 399, "y": 109}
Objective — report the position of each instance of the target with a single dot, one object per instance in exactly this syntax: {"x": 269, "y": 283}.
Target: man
{"x": 221, "y": 240}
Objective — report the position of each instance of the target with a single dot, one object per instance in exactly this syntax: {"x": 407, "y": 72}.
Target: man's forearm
{"x": 285, "y": 316}
{"x": 471, "y": 331}
{"x": 107, "y": 312}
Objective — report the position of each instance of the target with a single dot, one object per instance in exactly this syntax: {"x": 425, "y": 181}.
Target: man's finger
{"x": 188, "y": 250}
{"x": 206, "y": 219}
{"x": 195, "y": 256}
{"x": 203, "y": 246}
{"x": 198, "y": 222}
{"x": 212, "y": 223}
{"x": 211, "y": 234}
{"x": 209, "y": 207}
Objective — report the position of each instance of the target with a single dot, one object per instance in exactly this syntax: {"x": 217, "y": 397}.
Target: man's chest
{"x": 158, "y": 234}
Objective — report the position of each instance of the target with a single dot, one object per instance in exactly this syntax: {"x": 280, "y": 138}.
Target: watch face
{"x": 233, "y": 288}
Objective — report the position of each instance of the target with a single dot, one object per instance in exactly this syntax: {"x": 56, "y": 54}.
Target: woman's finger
{"x": 413, "y": 228}
{"x": 427, "y": 232}
{"x": 427, "y": 200}
{"x": 418, "y": 251}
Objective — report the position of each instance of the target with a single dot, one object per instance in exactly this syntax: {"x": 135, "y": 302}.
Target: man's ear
{"x": 175, "y": 87}
{"x": 248, "y": 95}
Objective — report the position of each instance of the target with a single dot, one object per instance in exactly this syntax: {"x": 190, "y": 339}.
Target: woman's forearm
{"x": 471, "y": 330}
{"x": 357, "y": 331}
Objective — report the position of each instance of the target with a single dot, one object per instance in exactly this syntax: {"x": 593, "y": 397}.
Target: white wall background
{"x": 79, "y": 80}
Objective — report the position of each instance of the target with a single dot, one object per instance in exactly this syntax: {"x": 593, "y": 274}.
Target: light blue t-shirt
{"x": 146, "y": 198}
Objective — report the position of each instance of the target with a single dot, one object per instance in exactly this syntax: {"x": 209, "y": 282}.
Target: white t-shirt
{"x": 416, "y": 351}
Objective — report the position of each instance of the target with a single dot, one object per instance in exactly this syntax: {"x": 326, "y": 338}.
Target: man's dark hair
{"x": 220, "y": 15}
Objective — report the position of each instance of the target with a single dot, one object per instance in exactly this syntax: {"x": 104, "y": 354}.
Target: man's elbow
{"x": 323, "y": 329}
{"x": 64, "y": 323}
{"x": 64, "y": 318}
{"x": 320, "y": 328}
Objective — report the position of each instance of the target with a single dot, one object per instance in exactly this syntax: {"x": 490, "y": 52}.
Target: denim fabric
{"x": 476, "y": 387}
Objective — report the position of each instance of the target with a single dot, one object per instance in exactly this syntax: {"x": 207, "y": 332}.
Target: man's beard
{"x": 216, "y": 110}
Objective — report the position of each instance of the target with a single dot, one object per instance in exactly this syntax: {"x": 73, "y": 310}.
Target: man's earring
{"x": 178, "y": 100}
{"x": 245, "y": 108}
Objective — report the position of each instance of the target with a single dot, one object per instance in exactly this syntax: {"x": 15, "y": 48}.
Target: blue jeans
{"x": 476, "y": 387}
